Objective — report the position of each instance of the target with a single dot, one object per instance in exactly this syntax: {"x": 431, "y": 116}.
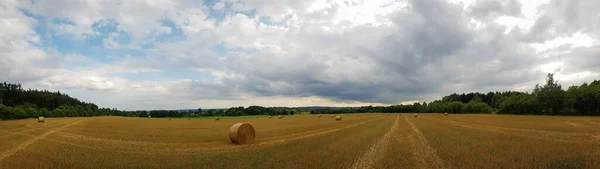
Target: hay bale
{"x": 359, "y": 115}
{"x": 41, "y": 120}
{"x": 242, "y": 133}
{"x": 445, "y": 114}
{"x": 318, "y": 116}
{"x": 331, "y": 116}
{"x": 416, "y": 115}
{"x": 280, "y": 117}
{"x": 338, "y": 118}
{"x": 270, "y": 116}
{"x": 217, "y": 118}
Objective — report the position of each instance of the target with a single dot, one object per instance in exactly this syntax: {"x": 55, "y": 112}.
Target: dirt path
{"x": 27, "y": 143}
{"x": 423, "y": 152}
{"x": 375, "y": 153}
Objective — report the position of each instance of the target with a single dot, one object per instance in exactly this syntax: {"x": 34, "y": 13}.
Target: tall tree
{"x": 551, "y": 96}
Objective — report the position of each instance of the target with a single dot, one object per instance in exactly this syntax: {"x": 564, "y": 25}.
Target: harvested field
{"x": 303, "y": 141}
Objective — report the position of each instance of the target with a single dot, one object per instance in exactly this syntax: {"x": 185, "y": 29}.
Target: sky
{"x": 174, "y": 54}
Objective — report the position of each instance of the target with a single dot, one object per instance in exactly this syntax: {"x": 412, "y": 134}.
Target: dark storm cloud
{"x": 418, "y": 39}
{"x": 432, "y": 49}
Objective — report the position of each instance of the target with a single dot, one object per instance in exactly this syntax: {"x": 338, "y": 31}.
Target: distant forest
{"x": 549, "y": 99}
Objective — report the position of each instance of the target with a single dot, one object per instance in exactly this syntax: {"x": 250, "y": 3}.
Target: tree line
{"x": 18, "y": 103}
{"x": 547, "y": 99}
{"x": 233, "y": 111}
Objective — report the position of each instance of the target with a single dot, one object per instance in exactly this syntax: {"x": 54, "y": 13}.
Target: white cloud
{"x": 302, "y": 53}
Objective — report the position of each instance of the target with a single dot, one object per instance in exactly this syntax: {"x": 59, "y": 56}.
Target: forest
{"x": 547, "y": 99}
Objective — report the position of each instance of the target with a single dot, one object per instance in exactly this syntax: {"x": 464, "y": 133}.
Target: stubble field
{"x": 305, "y": 141}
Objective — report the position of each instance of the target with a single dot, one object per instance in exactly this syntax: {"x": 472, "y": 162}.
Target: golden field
{"x": 305, "y": 141}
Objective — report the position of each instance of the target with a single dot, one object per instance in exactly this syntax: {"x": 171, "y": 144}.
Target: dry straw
{"x": 331, "y": 116}
{"x": 41, "y": 119}
{"x": 242, "y": 133}
{"x": 445, "y": 114}
{"x": 416, "y": 115}
{"x": 217, "y": 118}
{"x": 270, "y": 116}
{"x": 319, "y": 116}
{"x": 338, "y": 118}
{"x": 280, "y": 117}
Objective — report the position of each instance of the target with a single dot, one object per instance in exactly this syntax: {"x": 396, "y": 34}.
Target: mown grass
{"x": 107, "y": 142}
{"x": 504, "y": 142}
{"x": 305, "y": 141}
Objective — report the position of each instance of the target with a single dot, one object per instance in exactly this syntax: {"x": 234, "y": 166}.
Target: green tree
{"x": 520, "y": 104}
{"x": 455, "y": 107}
{"x": 45, "y": 112}
{"x": 551, "y": 96}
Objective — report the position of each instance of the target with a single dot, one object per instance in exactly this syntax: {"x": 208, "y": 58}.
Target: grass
{"x": 491, "y": 141}
{"x": 305, "y": 141}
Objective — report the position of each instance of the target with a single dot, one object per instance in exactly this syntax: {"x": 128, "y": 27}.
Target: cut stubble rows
{"x": 303, "y": 141}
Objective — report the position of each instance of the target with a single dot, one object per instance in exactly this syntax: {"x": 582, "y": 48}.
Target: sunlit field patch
{"x": 304, "y": 141}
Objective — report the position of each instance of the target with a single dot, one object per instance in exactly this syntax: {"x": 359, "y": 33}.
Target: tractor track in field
{"x": 315, "y": 134}
{"x": 147, "y": 147}
{"x": 27, "y": 143}
{"x": 374, "y": 154}
{"x": 30, "y": 128}
{"x": 424, "y": 153}
{"x": 16, "y": 133}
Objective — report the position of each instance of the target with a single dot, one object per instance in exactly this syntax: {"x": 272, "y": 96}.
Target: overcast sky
{"x": 163, "y": 54}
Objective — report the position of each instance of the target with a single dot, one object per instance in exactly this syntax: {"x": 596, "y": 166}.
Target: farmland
{"x": 305, "y": 141}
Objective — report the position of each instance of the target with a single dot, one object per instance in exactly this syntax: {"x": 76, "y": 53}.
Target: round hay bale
{"x": 280, "y": 117}
{"x": 359, "y": 115}
{"x": 242, "y": 133}
{"x": 41, "y": 119}
{"x": 445, "y": 114}
{"x": 270, "y": 116}
{"x": 338, "y": 118}
{"x": 217, "y": 118}
{"x": 331, "y": 116}
{"x": 318, "y": 116}
{"x": 416, "y": 115}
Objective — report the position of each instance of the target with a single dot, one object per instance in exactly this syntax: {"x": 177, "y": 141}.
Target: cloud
{"x": 243, "y": 52}
{"x": 20, "y": 60}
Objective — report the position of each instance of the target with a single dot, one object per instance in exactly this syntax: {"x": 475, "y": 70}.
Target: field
{"x": 305, "y": 141}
